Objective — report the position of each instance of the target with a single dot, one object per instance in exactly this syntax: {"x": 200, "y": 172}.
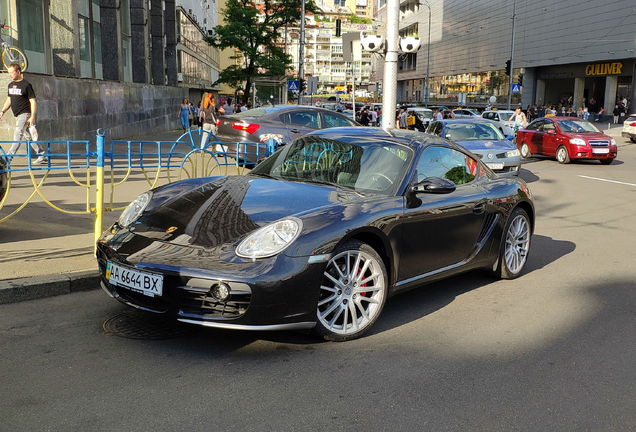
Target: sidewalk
{"x": 45, "y": 252}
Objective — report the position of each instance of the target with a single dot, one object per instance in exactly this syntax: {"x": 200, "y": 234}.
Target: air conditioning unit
{"x": 180, "y": 77}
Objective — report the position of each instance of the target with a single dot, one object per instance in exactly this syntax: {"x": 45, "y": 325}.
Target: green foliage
{"x": 254, "y": 34}
{"x": 355, "y": 19}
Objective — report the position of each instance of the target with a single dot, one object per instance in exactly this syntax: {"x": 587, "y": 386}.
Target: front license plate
{"x": 143, "y": 282}
{"x": 495, "y": 166}
{"x": 600, "y": 151}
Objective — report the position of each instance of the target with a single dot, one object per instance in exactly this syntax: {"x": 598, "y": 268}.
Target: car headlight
{"x": 134, "y": 209}
{"x": 613, "y": 142}
{"x": 271, "y": 239}
{"x": 577, "y": 141}
{"x": 513, "y": 153}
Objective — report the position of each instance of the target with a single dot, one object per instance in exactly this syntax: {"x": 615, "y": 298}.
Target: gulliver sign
{"x": 604, "y": 69}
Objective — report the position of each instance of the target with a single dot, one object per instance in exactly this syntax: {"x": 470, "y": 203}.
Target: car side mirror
{"x": 510, "y": 137}
{"x": 433, "y": 185}
{"x": 551, "y": 132}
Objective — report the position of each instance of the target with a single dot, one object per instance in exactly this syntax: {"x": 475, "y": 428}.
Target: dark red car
{"x": 566, "y": 138}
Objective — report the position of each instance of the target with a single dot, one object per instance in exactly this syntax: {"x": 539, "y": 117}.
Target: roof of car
{"x": 466, "y": 120}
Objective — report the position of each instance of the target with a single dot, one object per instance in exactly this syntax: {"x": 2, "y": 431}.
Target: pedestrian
{"x": 185, "y": 114}
{"x": 228, "y": 107}
{"x": 439, "y": 115}
{"x": 21, "y": 100}
{"x": 197, "y": 115}
{"x": 244, "y": 107}
{"x": 519, "y": 118}
{"x": 374, "y": 118}
{"x": 404, "y": 119}
{"x": 364, "y": 117}
{"x": 586, "y": 114}
{"x": 207, "y": 117}
{"x": 617, "y": 112}
{"x": 599, "y": 114}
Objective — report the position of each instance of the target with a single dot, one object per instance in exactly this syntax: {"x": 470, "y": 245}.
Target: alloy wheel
{"x": 352, "y": 292}
{"x": 517, "y": 243}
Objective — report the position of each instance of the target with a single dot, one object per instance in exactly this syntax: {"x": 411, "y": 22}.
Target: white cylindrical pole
{"x": 389, "y": 81}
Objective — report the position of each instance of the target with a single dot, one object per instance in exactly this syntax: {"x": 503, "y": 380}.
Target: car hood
{"x": 473, "y": 145}
{"x": 226, "y": 209}
{"x": 588, "y": 136}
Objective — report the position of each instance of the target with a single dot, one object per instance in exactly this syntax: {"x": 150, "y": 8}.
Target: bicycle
{"x": 10, "y": 54}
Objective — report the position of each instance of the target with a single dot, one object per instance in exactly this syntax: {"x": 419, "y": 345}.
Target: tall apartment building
{"x": 579, "y": 50}
{"x": 120, "y": 65}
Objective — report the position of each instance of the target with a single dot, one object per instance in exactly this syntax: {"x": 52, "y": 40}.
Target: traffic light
{"x": 338, "y": 27}
{"x": 302, "y": 87}
{"x": 520, "y": 80}
{"x": 508, "y": 67}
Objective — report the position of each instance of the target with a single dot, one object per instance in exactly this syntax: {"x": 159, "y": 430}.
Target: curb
{"x": 18, "y": 290}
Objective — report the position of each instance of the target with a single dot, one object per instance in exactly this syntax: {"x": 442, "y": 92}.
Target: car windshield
{"x": 505, "y": 116}
{"x": 577, "y": 126}
{"x": 425, "y": 114}
{"x": 472, "y": 132}
{"x": 362, "y": 165}
{"x": 256, "y": 112}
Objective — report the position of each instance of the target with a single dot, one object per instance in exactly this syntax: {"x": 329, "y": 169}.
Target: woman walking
{"x": 185, "y": 113}
{"x": 207, "y": 117}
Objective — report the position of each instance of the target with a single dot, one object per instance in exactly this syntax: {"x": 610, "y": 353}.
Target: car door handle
{"x": 294, "y": 131}
{"x": 479, "y": 208}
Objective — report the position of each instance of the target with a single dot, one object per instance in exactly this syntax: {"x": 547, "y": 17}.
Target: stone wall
{"x": 74, "y": 108}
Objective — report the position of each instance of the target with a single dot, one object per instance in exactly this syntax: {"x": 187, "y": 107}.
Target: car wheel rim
{"x": 525, "y": 150}
{"x": 517, "y": 242}
{"x": 561, "y": 155}
{"x": 352, "y": 292}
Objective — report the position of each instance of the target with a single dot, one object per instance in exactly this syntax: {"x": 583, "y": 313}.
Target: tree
{"x": 253, "y": 30}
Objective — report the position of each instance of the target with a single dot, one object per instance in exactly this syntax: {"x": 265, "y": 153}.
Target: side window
{"x": 535, "y": 126}
{"x": 447, "y": 163}
{"x": 549, "y": 126}
{"x": 307, "y": 119}
{"x": 332, "y": 120}
{"x": 436, "y": 129}
{"x": 495, "y": 117}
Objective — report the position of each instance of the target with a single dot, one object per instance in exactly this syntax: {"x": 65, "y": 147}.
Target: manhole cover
{"x": 148, "y": 326}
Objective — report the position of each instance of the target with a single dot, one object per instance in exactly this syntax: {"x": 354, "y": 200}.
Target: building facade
{"x": 120, "y": 65}
{"x": 568, "y": 53}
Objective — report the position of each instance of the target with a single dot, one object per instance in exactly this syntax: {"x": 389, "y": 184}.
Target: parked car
{"x": 629, "y": 128}
{"x": 566, "y": 138}
{"x": 483, "y": 139}
{"x": 500, "y": 117}
{"x": 333, "y": 106}
{"x": 282, "y": 123}
{"x": 318, "y": 235}
{"x": 348, "y": 113}
{"x": 466, "y": 113}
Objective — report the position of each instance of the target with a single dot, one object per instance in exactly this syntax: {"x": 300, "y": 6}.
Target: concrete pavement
{"x": 45, "y": 252}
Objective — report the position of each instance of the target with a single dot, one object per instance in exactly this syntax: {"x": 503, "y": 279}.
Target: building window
{"x": 90, "y": 39}
{"x": 125, "y": 40}
{"x": 30, "y": 33}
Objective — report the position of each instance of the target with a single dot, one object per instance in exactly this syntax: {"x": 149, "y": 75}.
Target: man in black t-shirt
{"x": 21, "y": 100}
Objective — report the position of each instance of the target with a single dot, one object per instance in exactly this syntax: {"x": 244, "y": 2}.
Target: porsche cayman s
{"x": 318, "y": 235}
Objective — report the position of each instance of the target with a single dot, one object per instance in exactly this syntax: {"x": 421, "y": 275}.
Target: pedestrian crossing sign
{"x": 516, "y": 88}
{"x": 292, "y": 85}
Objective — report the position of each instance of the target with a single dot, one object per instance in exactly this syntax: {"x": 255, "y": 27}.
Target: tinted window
{"x": 535, "y": 126}
{"x": 577, "y": 126}
{"x": 332, "y": 120}
{"x": 447, "y": 163}
{"x": 302, "y": 118}
{"x": 548, "y": 126}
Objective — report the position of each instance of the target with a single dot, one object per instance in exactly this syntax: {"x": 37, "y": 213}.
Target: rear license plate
{"x": 143, "y": 282}
{"x": 600, "y": 151}
{"x": 495, "y": 166}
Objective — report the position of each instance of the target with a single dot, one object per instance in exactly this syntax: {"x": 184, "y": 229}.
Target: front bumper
{"x": 628, "y": 134}
{"x": 269, "y": 294}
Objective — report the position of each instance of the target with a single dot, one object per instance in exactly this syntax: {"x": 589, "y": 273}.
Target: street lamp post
{"x": 428, "y": 53}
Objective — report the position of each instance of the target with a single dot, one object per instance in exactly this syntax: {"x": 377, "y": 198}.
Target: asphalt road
{"x": 553, "y": 350}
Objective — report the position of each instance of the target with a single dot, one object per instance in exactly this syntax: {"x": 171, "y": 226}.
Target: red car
{"x": 566, "y": 138}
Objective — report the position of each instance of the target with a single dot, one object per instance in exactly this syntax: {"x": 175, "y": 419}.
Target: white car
{"x": 425, "y": 115}
{"x": 500, "y": 117}
{"x": 629, "y": 128}
{"x": 466, "y": 113}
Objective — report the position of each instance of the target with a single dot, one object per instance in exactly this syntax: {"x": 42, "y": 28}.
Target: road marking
{"x": 609, "y": 181}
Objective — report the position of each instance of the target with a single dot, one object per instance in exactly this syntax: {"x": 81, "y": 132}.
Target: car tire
{"x": 352, "y": 293}
{"x": 525, "y": 151}
{"x": 633, "y": 140}
{"x": 607, "y": 161}
{"x": 562, "y": 155}
{"x": 515, "y": 245}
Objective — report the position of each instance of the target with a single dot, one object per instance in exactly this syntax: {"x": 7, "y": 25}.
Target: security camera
{"x": 373, "y": 43}
{"x": 410, "y": 44}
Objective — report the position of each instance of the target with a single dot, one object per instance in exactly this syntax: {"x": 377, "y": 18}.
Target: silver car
{"x": 251, "y": 130}
{"x": 500, "y": 118}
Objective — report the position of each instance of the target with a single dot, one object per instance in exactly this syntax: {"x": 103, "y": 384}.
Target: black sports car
{"x": 318, "y": 235}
